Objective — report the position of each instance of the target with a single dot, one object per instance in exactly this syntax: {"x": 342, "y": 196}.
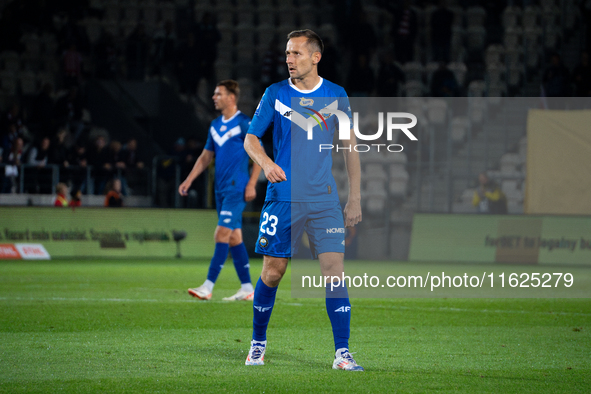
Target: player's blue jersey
{"x": 308, "y": 170}
{"x": 226, "y": 140}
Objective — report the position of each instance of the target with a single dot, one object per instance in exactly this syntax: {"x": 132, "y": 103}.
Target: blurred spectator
{"x": 443, "y": 82}
{"x": 208, "y": 36}
{"x": 12, "y": 161}
{"x": 164, "y": 50}
{"x": 390, "y": 76}
{"x": 114, "y": 198}
{"x": 441, "y": 22}
{"x": 188, "y": 65}
{"x": 167, "y": 173}
{"x": 136, "y": 53}
{"x": 43, "y": 112}
{"x": 582, "y": 77}
{"x": 98, "y": 158}
{"x": 556, "y": 78}
{"x": 328, "y": 66}
{"x": 107, "y": 57}
{"x": 361, "y": 78}
{"x": 13, "y": 116}
{"x": 61, "y": 199}
{"x": 404, "y": 32}
{"x": 118, "y": 165}
{"x": 76, "y": 200}
{"x": 39, "y": 154}
{"x": 38, "y": 179}
{"x": 77, "y": 167}
{"x": 12, "y": 133}
{"x": 129, "y": 155}
{"x": 69, "y": 110}
{"x": 72, "y": 64}
{"x": 59, "y": 150}
{"x": 133, "y": 164}
{"x": 489, "y": 198}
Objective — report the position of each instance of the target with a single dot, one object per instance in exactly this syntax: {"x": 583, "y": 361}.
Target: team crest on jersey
{"x": 263, "y": 242}
{"x": 304, "y": 102}
{"x": 223, "y": 128}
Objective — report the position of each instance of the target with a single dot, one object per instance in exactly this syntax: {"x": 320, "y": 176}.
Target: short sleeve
{"x": 209, "y": 143}
{"x": 263, "y": 115}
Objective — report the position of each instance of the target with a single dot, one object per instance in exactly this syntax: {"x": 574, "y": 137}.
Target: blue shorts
{"x": 283, "y": 223}
{"x": 230, "y": 207}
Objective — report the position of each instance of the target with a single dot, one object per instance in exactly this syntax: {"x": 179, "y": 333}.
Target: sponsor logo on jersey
{"x": 263, "y": 242}
{"x": 227, "y": 213}
{"x": 262, "y": 308}
{"x": 335, "y": 230}
{"x": 306, "y": 101}
{"x": 287, "y": 114}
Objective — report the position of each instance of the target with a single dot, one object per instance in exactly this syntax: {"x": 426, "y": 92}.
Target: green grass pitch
{"x": 130, "y": 326}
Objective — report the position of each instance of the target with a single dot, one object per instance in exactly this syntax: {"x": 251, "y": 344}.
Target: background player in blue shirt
{"x": 303, "y": 196}
{"x": 233, "y": 188}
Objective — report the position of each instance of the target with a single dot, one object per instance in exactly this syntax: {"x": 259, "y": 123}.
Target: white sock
{"x": 341, "y": 351}
{"x": 209, "y": 284}
{"x": 247, "y": 287}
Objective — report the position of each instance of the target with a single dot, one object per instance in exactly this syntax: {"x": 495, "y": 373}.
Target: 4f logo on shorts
{"x": 341, "y": 309}
{"x": 263, "y": 308}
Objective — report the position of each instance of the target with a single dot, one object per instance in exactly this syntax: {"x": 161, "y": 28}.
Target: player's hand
{"x": 184, "y": 188}
{"x": 274, "y": 173}
{"x": 250, "y": 193}
{"x": 352, "y": 213}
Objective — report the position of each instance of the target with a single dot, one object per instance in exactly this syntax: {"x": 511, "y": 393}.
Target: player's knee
{"x": 235, "y": 238}
{"x": 222, "y": 235}
{"x": 272, "y": 277}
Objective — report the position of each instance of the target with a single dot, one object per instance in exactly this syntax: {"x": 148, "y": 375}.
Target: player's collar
{"x": 306, "y": 91}
{"x": 232, "y": 117}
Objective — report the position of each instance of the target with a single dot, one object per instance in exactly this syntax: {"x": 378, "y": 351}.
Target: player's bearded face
{"x": 299, "y": 57}
{"x": 220, "y": 98}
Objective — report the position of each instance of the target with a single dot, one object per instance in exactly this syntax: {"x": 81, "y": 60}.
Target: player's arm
{"x": 201, "y": 164}
{"x": 253, "y": 147}
{"x": 250, "y": 192}
{"x": 353, "y": 207}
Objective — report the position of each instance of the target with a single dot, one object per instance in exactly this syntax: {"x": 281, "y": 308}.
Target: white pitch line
{"x": 417, "y": 308}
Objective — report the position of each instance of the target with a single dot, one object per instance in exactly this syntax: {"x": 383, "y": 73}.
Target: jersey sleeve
{"x": 345, "y": 106}
{"x": 209, "y": 142}
{"x": 263, "y": 115}
{"x": 244, "y": 126}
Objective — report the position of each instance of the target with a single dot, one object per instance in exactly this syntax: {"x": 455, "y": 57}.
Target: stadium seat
{"x": 414, "y": 89}
{"x": 398, "y": 185}
{"x": 494, "y": 54}
{"x": 510, "y": 162}
{"x": 531, "y": 16}
{"x": 514, "y": 73}
{"x": 459, "y": 69}
{"x": 512, "y": 37}
{"x": 513, "y": 56}
{"x": 10, "y": 61}
{"x": 476, "y": 88}
{"x": 476, "y": 37}
{"x": 28, "y": 82}
{"x": 551, "y": 16}
{"x": 429, "y": 69}
{"x": 495, "y": 72}
{"x": 459, "y": 128}
{"x": 413, "y": 71}
{"x": 374, "y": 171}
{"x": 477, "y": 107}
{"x": 497, "y": 90}
{"x": 32, "y": 44}
{"x": 475, "y": 17}
{"x": 552, "y": 36}
{"x": 436, "y": 111}
{"x": 8, "y": 82}
{"x": 511, "y": 16}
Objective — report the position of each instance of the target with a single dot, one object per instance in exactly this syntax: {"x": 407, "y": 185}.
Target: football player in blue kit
{"x": 301, "y": 193}
{"x": 233, "y": 188}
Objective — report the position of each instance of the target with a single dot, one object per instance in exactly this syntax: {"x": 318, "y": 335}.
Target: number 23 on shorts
{"x": 269, "y": 224}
